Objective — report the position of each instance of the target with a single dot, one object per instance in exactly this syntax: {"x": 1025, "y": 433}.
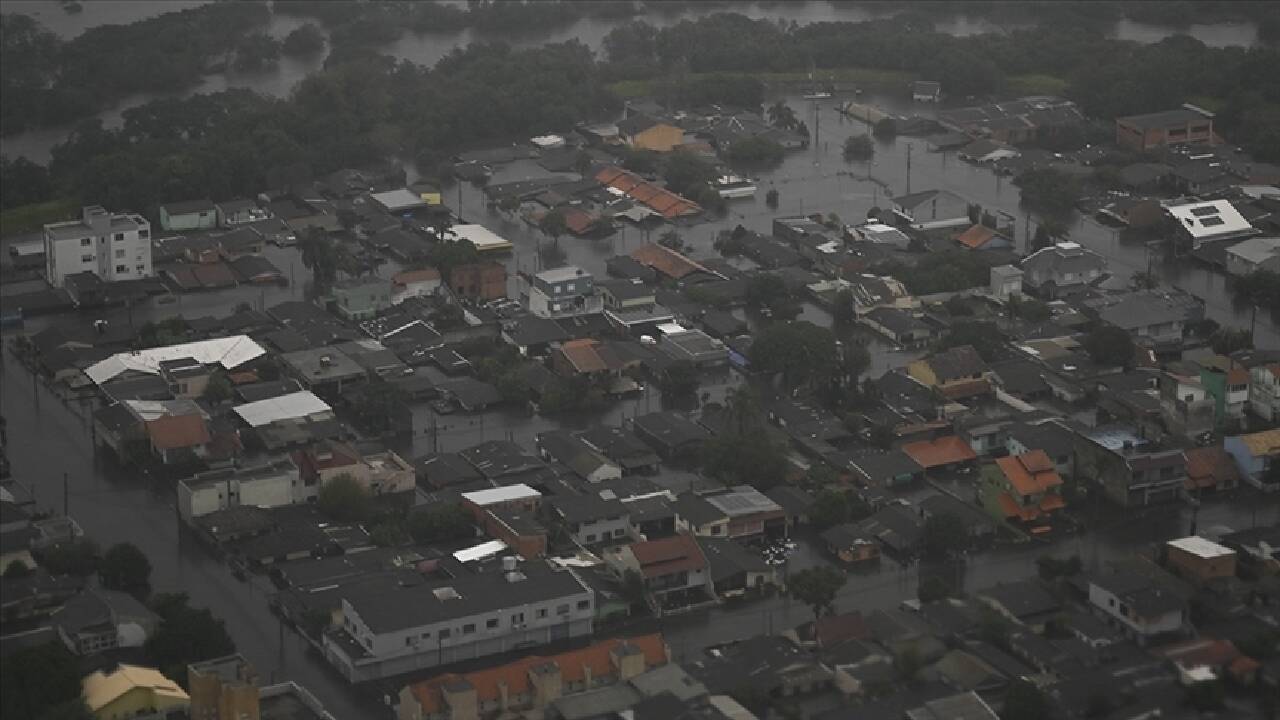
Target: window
{"x": 717, "y": 529}
{"x": 122, "y": 268}
{"x": 584, "y": 604}
{"x": 141, "y": 269}
{"x": 562, "y": 609}
{"x": 86, "y": 242}
{"x": 120, "y": 253}
{"x": 86, "y": 258}
{"x": 119, "y": 237}
{"x": 468, "y": 628}
{"x": 426, "y": 636}
{"x": 590, "y": 538}
{"x": 542, "y": 612}
{"x": 445, "y": 633}
{"x": 491, "y": 623}
{"x": 144, "y": 233}
{"x": 408, "y": 641}
{"x": 618, "y": 532}
{"x": 517, "y": 619}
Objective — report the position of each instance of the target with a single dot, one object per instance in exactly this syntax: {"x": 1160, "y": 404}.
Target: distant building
{"x": 1199, "y": 560}
{"x": 1264, "y": 391}
{"x": 926, "y": 91}
{"x": 361, "y": 298}
{"x": 932, "y": 209}
{"x": 272, "y": 484}
{"x": 1006, "y": 281}
{"x": 112, "y": 247}
{"x": 1252, "y": 255}
{"x": 1257, "y": 455}
{"x": 479, "y": 281}
{"x": 1128, "y": 470}
{"x": 1060, "y": 269}
{"x": 1023, "y": 489}
{"x": 1209, "y": 221}
{"x": 1187, "y": 125}
{"x": 227, "y": 688}
{"x": 642, "y": 132}
{"x": 1142, "y": 607}
{"x": 561, "y": 292}
{"x": 190, "y": 215}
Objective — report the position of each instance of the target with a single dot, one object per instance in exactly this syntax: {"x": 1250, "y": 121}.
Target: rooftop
{"x": 1200, "y": 547}
{"x": 229, "y": 352}
{"x": 1165, "y": 118}
{"x": 743, "y": 500}
{"x": 284, "y": 407}
{"x": 508, "y": 493}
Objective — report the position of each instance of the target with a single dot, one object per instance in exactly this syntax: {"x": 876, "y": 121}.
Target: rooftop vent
{"x": 446, "y": 593}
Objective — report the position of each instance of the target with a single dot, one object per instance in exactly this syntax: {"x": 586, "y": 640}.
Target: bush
{"x": 859, "y": 147}
{"x": 125, "y": 568}
{"x": 343, "y": 499}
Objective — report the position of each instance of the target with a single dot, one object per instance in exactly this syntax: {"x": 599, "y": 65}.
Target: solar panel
{"x": 1212, "y": 221}
{"x": 1204, "y": 210}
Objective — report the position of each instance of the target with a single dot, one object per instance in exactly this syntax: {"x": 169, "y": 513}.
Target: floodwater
{"x": 427, "y": 49}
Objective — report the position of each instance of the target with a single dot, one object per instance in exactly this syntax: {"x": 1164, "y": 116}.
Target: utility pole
{"x": 908, "y": 169}
{"x": 66, "y": 498}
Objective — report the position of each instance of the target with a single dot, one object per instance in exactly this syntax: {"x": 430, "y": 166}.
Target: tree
{"x": 843, "y": 314}
{"x": 958, "y": 306}
{"x": 771, "y": 198}
{"x": 440, "y": 522}
{"x": 633, "y": 588}
{"x": 933, "y": 589}
{"x": 885, "y": 129}
{"x": 218, "y": 390}
{"x": 306, "y": 39}
{"x": 908, "y": 662}
{"x": 803, "y": 353}
{"x": 687, "y": 173}
{"x": 1110, "y": 346}
{"x": 830, "y": 508}
{"x": 389, "y": 533}
{"x": 817, "y": 587}
{"x": 73, "y": 557}
{"x": 1024, "y": 701}
{"x": 125, "y": 568}
{"x": 859, "y": 148}
{"x": 944, "y": 534}
{"x": 781, "y": 115}
{"x": 680, "y": 378}
{"x": 1228, "y": 340}
{"x": 984, "y": 337}
{"x": 343, "y": 499}
{"x": 767, "y": 291}
{"x": 39, "y": 681}
{"x": 319, "y": 256}
{"x": 1048, "y": 191}
{"x": 1051, "y": 568}
{"x": 553, "y": 225}
{"x": 185, "y": 635}
{"x": 671, "y": 239}
{"x": 17, "y": 569}
{"x": 754, "y": 152}
{"x": 744, "y": 452}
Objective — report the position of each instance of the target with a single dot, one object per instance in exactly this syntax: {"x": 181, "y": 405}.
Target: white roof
{"x": 284, "y": 407}
{"x": 229, "y": 352}
{"x": 507, "y": 493}
{"x": 547, "y": 141}
{"x": 477, "y": 552}
{"x": 1201, "y": 547}
{"x": 482, "y": 237}
{"x": 1257, "y": 249}
{"x": 1210, "y": 219}
{"x": 672, "y": 328}
{"x": 402, "y": 199}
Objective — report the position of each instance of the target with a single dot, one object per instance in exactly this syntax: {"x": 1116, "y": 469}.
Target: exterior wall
{"x": 423, "y": 647}
{"x": 138, "y": 703}
{"x": 113, "y": 247}
{"x": 1264, "y": 393}
{"x": 363, "y": 301}
{"x": 481, "y": 281}
{"x": 615, "y": 529}
{"x": 1252, "y": 469}
{"x": 563, "y": 304}
{"x": 203, "y": 220}
{"x": 1115, "y": 609}
{"x": 1131, "y": 136}
{"x": 1199, "y": 569}
{"x": 203, "y": 497}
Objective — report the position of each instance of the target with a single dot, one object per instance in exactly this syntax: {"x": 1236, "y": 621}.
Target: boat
{"x": 732, "y": 186}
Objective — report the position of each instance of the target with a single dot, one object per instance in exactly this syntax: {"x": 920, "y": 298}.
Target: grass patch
{"x": 1037, "y": 85}
{"x": 632, "y": 88}
{"x": 29, "y": 218}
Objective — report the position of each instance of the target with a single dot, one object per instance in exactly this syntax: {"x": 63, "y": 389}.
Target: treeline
{"x": 351, "y": 114}
{"x": 46, "y": 81}
{"x": 1107, "y": 77}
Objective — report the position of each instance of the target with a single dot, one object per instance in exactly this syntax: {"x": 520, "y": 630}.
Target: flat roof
{"x": 401, "y": 199}
{"x": 496, "y": 495}
{"x": 743, "y": 500}
{"x": 483, "y": 550}
{"x": 1210, "y": 218}
{"x": 482, "y": 237}
{"x": 1200, "y": 547}
{"x": 284, "y": 407}
{"x": 229, "y": 352}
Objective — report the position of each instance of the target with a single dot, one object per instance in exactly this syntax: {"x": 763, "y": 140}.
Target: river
{"x": 427, "y": 49}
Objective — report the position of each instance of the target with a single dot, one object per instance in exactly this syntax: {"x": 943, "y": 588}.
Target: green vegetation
{"x": 1036, "y": 84}
{"x": 42, "y": 682}
{"x": 33, "y": 217}
{"x": 306, "y": 39}
{"x": 1110, "y": 346}
{"x": 344, "y": 499}
{"x": 1024, "y": 701}
{"x": 126, "y": 569}
{"x": 186, "y": 635}
{"x": 859, "y": 147}
{"x": 946, "y": 271}
{"x": 834, "y": 507}
{"x": 744, "y": 452}
{"x": 754, "y": 153}
{"x": 817, "y": 587}
{"x": 803, "y": 353}
{"x": 1049, "y": 192}
{"x": 944, "y": 535}
{"x": 933, "y": 589}
{"x": 73, "y": 557}
{"x": 1260, "y": 288}
{"x": 439, "y": 523}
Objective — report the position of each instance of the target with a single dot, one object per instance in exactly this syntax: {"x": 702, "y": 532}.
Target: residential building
{"x": 288, "y": 420}
{"x": 1264, "y": 391}
{"x": 926, "y": 91}
{"x": 111, "y": 246}
{"x": 750, "y": 512}
{"x": 390, "y": 627}
{"x": 899, "y": 326}
{"x": 672, "y": 265}
{"x": 674, "y": 569}
{"x": 224, "y": 688}
{"x": 189, "y": 215}
{"x": 99, "y": 620}
{"x": 981, "y": 237}
{"x": 530, "y": 685}
{"x": 361, "y": 298}
{"x": 850, "y": 545}
{"x": 1025, "y": 489}
{"x": 479, "y": 281}
{"x": 517, "y": 498}
{"x": 228, "y": 352}
{"x": 239, "y": 212}
{"x": 955, "y": 373}
{"x": 1140, "y": 606}
{"x": 323, "y": 367}
{"x": 1187, "y": 125}
{"x": 671, "y": 434}
{"x": 590, "y": 519}
{"x": 1198, "y": 560}
{"x": 969, "y": 706}
{"x": 1060, "y": 269}
{"x": 1205, "y": 221}
{"x": 130, "y": 692}
{"x": 1254, "y": 254}
{"x": 424, "y": 282}
{"x": 651, "y": 198}
{"x": 932, "y": 209}
{"x": 736, "y": 569}
{"x": 485, "y": 240}
{"x": 272, "y": 484}
{"x": 642, "y": 132}
{"x": 623, "y": 448}
{"x": 1258, "y": 456}
{"x": 1210, "y": 469}
{"x": 377, "y": 472}
{"x": 1013, "y": 121}
{"x": 574, "y": 453}
{"x": 1130, "y": 471}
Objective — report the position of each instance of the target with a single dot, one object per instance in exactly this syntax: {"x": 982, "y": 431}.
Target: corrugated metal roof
{"x": 229, "y": 352}
{"x": 284, "y": 407}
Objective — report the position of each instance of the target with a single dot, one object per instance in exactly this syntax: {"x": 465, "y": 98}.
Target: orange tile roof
{"x": 976, "y": 236}
{"x": 1210, "y": 466}
{"x": 666, "y": 261}
{"x": 959, "y": 391}
{"x": 1237, "y": 376}
{"x": 942, "y": 451}
{"x": 583, "y": 355}
{"x": 515, "y": 675}
{"x": 659, "y": 199}
{"x": 1030, "y": 473}
{"x": 1011, "y": 508}
{"x": 172, "y": 432}
{"x": 668, "y": 555}
{"x": 1052, "y": 501}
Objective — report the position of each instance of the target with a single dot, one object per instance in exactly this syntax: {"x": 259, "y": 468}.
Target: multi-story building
{"x": 1128, "y": 470}
{"x": 479, "y": 281}
{"x": 1024, "y": 489}
{"x": 113, "y": 247}
{"x": 1257, "y": 455}
{"x": 1059, "y": 269}
{"x": 561, "y": 292}
{"x": 390, "y": 626}
{"x": 1264, "y": 391}
{"x": 1142, "y": 607}
{"x": 1187, "y": 125}
{"x": 273, "y": 484}
{"x": 227, "y": 688}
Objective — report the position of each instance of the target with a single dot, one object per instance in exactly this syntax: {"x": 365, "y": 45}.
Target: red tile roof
{"x": 1210, "y": 466}
{"x": 947, "y": 450}
{"x": 410, "y": 276}
{"x": 678, "y": 553}
{"x": 173, "y": 432}
{"x": 1031, "y": 473}
{"x": 666, "y": 261}
{"x": 586, "y": 357}
{"x": 976, "y": 236}
{"x": 659, "y": 199}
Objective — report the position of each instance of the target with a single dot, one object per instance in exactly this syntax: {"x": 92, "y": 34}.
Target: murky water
{"x": 429, "y": 48}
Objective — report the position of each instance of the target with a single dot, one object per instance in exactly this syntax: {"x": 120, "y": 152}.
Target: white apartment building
{"x": 1264, "y": 391}
{"x": 113, "y": 247}
{"x": 274, "y": 484}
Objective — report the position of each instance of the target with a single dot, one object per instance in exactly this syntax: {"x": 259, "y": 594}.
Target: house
{"x": 109, "y": 246}
{"x": 987, "y": 151}
{"x": 378, "y": 473}
{"x": 399, "y": 202}
{"x": 292, "y": 419}
{"x": 849, "y": 544}
{"x": 273, "y": 483}
{"x": 750, "y": 512}
{"x": 561, "y": 292}
{"x": 734, "y": 569}
{"x": 955, "y": 373}
{"x": 1140, "y": 606}
{"x": 886, "y": 470}
{"x": 1014, "y": 121}
{"x": 1198, "y": 560}
{"x": 1252, "y": 255}
{"x": 257, "y": 270}
{"x": 239, "y": 212}
{"x": 1264, "y": 391}
{"x": 1130, "y": 471}
{"x": 1210, "y": 469}
{"x": 479, "y": 281}
{"x": 932, "y": 209}
{"x": 895, "y": 528}
{"x": 898, "y": 325}
{"x": 623, "y": 448}
{"x": 977, "y": 524}
{"x": 129, "y": 691}
{"x": 1059, "y": 269}
{"x": 189, "y": 215}
{"x": 1187, "y": 125}
{"x": 878, "y": 233}
{"x": 1257, "y": 455}
{"x": 670, "y": 264}
{"x": 642, "y": 132}
{"x": 1025, "y": 602}
{"x": 671, "y": 434}
{"x": 674, "y": 569}
{"x": 969, "y": 706}
{"x": 1024, "y": 489}
{"x": 1209, "y": 221}
{"x": 485, "y": 240}
{"x": 175, "y": 437}
{"x": 361, "y": 298}
{"x": 926, "y": 91}
{"x": 323, "y": 367}
{"x": 227, "y": 688}
{"x": 533, "y": 684}
{"x": 981, "y": 237}
{"x": 389, "y": 627}
{"x": 576, "y": 454}
{"x": 650, "y": 197}
{"x": 99, "y": 620}
{"x": 590, "y": 519}
{"x": 795, "y": 502}
{"x": 424, "y": 282}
